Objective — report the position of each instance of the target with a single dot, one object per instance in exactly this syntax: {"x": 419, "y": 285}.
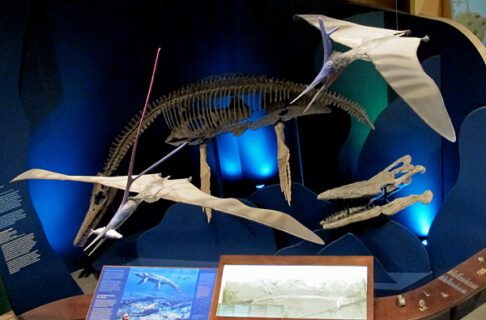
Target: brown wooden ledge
{"x": 439, "y": 295}
{"x": 72, "y": 308}
{"x": 428, "y": 301}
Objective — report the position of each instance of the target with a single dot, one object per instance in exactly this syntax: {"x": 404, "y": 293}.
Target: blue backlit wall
{"x": 399, "y": 131}
{"x": 74, "y": 119}
{"x": 258, "y": 152}
{"x": 253, "y": 155}
{"x": 229, "y": 156}
{"x": 59, "y": 146}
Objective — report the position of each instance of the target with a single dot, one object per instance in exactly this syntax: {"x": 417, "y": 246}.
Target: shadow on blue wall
{"x": 459, "y": 229}
{"x": 399, "y": 131}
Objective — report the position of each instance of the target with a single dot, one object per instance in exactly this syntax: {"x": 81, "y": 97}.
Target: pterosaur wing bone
{"x": 350, "y": 34}
{"x": 117, "y": 182}
{"x": 152, "y": 187}
{"x": 396, "y": 60}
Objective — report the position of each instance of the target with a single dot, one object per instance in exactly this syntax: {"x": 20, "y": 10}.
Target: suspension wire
{"x": 396, "y": 14}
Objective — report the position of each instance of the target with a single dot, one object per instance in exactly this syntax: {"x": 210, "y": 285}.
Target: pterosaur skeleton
{"x": 394, "y": 57}
{"x": 153, "y": 187}
{"x": 369, "y": 198}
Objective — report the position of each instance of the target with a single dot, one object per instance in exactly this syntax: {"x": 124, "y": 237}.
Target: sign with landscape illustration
{"x": 294, "y": 287}
{"x": 140, "y": 293}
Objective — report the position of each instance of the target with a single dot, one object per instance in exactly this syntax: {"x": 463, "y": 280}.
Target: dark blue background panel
{"x": 304, "y": 206}
{"x": 396, "y": 247}
{"x": 304, "y": 248}
{"x": 402, "y": 254}
{"x": 185, "y": 234}
{"x": 350, "y": 245}
{"x": 32, "y": 272}
{"x": 459, "y": 228}
{"x": 399, "y": 131}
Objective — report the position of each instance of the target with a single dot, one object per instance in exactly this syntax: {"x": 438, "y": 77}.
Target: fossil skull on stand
{"x": 370, "y": 197}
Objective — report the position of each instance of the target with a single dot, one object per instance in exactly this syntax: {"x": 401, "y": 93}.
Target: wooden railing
{"x": 437, "y": 297}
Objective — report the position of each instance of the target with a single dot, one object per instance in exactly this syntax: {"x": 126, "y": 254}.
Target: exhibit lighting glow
{"x": 53, "y": 201}
{"x": 229, "y": 156}
{"x": 258, "y": 153}
{"x": 260, "y": 186}
{"x": 59, "y": 146}
{"x": 424, "y": 221}
{"x": 425, "y": 242}
{"x": 419, "y": 218}
{"x": 252, "y": 155}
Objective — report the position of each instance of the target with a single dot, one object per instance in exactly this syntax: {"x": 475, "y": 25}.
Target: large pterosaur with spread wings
{"x": 394, "y": 57}
{"x": 153, "y": 187}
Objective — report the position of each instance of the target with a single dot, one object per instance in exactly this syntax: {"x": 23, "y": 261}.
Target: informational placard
{"x": 138, "y": 293}
{"x": 273, "y": 287}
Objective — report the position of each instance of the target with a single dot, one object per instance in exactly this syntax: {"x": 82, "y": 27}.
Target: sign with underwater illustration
{"x": 152, "y": 293}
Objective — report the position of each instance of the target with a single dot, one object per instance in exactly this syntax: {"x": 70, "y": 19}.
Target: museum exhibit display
{"x": 280, "y": 131}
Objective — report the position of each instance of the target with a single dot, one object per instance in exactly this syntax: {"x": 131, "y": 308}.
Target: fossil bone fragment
{"x": 356, "y": 214}
{"x": 365, "y": 196}
{"x": 153, "y": 187}
{"x": 283, "y": 155}
{"x": 389, "y": 180}
{"x": 194, "y": 115}
{"x": 394, "y": 57}
{"x": 205, "y": 174}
